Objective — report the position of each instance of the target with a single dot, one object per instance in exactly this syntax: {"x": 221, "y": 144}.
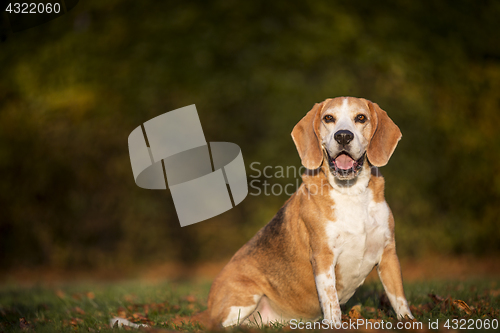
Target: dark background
{"x": 71, "y": 91}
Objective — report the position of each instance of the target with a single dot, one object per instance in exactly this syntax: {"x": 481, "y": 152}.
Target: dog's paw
{"x": 406, "y": 317}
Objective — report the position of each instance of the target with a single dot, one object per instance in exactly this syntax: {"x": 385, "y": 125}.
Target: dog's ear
{"x": 305, "y": 135}
{"x": 385, "y": 136}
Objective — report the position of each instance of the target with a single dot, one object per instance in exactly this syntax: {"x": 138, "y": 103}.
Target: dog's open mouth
{"x": 344, "y": 166}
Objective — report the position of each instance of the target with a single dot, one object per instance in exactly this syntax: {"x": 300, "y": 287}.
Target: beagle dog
{"x": 329, "y": 235}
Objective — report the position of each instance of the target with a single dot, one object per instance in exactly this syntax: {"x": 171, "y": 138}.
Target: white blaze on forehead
{"x": 345, "y": 105}
{"x": 344, "y": 121}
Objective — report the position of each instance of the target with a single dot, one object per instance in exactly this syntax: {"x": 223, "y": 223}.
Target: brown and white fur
{"x": 329, "y": 235}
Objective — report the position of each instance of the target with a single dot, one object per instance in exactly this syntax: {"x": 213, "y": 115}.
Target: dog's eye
{"x": 328, "y": 118}
{"x": 360, "y": 118}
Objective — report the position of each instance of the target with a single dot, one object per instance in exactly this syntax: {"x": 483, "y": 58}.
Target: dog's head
{"x": 345, "y": 131}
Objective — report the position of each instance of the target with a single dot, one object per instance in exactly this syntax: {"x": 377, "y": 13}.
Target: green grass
{"x": 88, "y": 307}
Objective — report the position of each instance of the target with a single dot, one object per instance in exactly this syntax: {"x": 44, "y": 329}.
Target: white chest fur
{"x": 357, "y": 237}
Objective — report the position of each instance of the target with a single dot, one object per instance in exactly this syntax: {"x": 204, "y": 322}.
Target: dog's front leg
{"x": 389, "y": 272}
{"x": 324, "y": 274}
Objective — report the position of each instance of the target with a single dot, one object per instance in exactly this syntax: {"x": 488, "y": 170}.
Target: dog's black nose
{"x": 343, "y": 137}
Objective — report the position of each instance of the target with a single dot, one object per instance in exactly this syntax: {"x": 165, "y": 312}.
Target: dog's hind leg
{"x": 232, "y": 300}
{"x": 239, "y": 314}
{"x": 265, "y": 313}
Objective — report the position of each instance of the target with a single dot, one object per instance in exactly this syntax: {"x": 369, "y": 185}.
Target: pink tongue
{"x": 344, "y": 162}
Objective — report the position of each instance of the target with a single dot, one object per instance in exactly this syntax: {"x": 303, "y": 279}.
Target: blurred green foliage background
{"x": 72, "y": 90}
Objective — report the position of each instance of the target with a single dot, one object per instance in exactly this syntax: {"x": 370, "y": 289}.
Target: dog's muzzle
{"x": 343, "y": 166}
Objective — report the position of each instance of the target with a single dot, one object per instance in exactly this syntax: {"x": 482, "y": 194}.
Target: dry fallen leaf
{"x": 426, "y": 307}
{"x": 121, "y": 312}
{"x": 355, "y": 313}
{"x": 76, "y": 321}
{"x": 79, "y": 310}
{"x": 190, "y": 299}
{"x": 445, "y": 306}
{"x": 24, "y": 324}
{"x": 462, "y": 306}
{"x": 77, "y": 296}
{"x": 178, "y": 320}
{"x": 90, "y": 295}
{"x": 60, "y": 293}
{"x": 415, "y": 310}
{"x": 436, "y": 298}
{"x": 370, "y": 309}
{"x": 139, "y": 316}
{"x": 495, "y": 293}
